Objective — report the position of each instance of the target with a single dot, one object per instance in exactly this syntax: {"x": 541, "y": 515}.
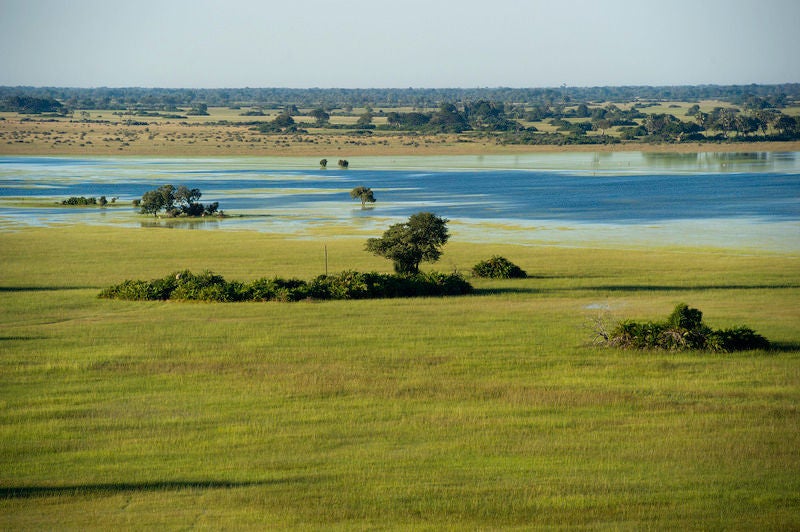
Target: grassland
{"x": 487, "y": 411}
{"x": 225, "y": 132}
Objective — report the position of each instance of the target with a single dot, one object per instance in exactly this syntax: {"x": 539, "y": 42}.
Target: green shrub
{"x": 80, "y": 200}
{"x": 208, "y": 286}
{"x": 684, "y": 317}
{"x": 355, "y": 285}
{"x": 738, "y": 339}
{"x": 130, "y": 290}
{"x": 498, "y": 267}
{"x": 683, "y": 330}
{"x": 205, "y": 286}
{"x": 445, "y": 284}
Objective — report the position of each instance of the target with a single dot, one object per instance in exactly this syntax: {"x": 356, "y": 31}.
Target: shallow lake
{"x": 743, "y": 200}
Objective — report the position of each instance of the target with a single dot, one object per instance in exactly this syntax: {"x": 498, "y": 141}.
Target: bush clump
{"x": 683, "y": 330}
{"x": 208, "y": 286}
{"x": 498, "y": 267}
{"x": 80, "y": 200}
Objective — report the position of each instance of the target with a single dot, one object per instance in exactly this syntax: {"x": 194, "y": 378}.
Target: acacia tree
{"x": 364, "y": 194}
{"x": 407, "y": 244}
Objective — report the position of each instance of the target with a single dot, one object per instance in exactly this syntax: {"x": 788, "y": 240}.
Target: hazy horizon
{"x": 411, "y": 44}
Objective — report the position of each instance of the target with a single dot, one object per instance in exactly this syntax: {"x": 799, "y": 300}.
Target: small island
{"x": 102, "y": 201}
{"x": 175, "y": 202}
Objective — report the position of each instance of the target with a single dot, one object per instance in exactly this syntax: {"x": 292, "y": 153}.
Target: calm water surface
{"x": 722, "y": 199}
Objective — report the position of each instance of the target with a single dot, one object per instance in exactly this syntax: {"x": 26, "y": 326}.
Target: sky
{"x": 397, "y": 43}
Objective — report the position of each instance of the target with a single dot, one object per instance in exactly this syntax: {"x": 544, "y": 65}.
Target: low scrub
{"x": 81, "y": 200}
{"x": 208, "y": 286}
{"x": 683, "y": 330}
{"x": 498, "y": 267}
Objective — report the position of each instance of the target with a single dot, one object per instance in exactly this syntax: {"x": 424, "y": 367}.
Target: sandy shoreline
{"x": 58, "y": 138}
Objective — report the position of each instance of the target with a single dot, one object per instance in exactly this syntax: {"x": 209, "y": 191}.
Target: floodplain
{"x": 494, "y": 410}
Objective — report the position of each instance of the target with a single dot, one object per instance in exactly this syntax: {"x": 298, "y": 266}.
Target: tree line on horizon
{"x": 753, "y": 110}
{"x": 122, "y": 98}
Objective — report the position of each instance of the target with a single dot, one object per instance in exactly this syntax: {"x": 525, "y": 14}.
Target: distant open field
{"x": 487, "y": 411}
{"x": 222, "y": 133}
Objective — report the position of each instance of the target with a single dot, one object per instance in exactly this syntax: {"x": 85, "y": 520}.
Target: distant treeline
{"x": 12, "y": 98}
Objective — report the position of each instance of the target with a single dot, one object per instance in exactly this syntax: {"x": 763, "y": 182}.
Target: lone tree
{"x": 409, "y": 243}
{"x": 364, "y": 194}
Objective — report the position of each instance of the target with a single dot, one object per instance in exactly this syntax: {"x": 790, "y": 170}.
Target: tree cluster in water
{"x": 181, "y": 201}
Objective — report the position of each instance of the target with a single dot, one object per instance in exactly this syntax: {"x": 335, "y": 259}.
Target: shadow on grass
{"x": 626, "y": 288}
{"x": 784, "y": 347}
{"x": 667, "y": 288}
{"x": 42, "y": 288}
{"x": 509, "y": 290}
{"x": 27, "y": 492}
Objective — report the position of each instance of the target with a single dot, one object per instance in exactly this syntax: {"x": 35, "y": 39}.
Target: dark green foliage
{"x": 738, "y": 339}
{"x": 346, "y": 285}
{"x": 198, "y": 109}
{"x": 446, "y": 284}
{"x": 683, "y": 330}
{"x": 181, "y": 201}
{"x": 407, "y": 244}
{"x": 208, "y": 286}
{"x": 321, "y": 116}
{"x": 203, "y": 287}
{"x": 31, "y": 105}
{"x": 168, "y": 99}
{"x": 212, "y": 209}
{"x": 80, "y": 200}
{"x": 364, "y": 194}
{"x": 685, "y": 317}
{"x": 157, "y": 199}
{"x": 407, "y": 120}
{"x": 372, "y": 285}
{"x": 281, "y": 123}
{"x": 133, "y": 290}
{"x": 276, "y": 289}
{"x": 498, "y": 267}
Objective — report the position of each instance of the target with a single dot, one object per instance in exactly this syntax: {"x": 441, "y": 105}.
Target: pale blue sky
{"x": 397, "y": 43}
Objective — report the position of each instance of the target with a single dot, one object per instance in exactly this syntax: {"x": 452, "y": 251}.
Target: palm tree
{"x": 364, "y": 194}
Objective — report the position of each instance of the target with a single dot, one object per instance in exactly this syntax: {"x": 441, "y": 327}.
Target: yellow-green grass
{"x": 487, "y": 411}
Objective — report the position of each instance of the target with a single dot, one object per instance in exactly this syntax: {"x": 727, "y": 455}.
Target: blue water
{"x": 634, "y": 196}
{"x": 739, "y": 200}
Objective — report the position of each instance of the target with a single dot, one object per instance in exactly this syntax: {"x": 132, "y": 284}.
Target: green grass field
{"x": 487, "y": 411}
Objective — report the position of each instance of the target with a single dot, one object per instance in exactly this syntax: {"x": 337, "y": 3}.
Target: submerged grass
{"x": 485, "y": 411}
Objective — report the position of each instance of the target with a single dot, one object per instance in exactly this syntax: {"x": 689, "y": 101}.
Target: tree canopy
{"x": 182, "y": 200}
{"x": 364, "y": 194}
{"x": 409, "y": 243}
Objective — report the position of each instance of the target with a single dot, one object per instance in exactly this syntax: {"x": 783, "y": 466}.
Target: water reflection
{"x": 181, "y": 224}
{"x": 721, "y": 161}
